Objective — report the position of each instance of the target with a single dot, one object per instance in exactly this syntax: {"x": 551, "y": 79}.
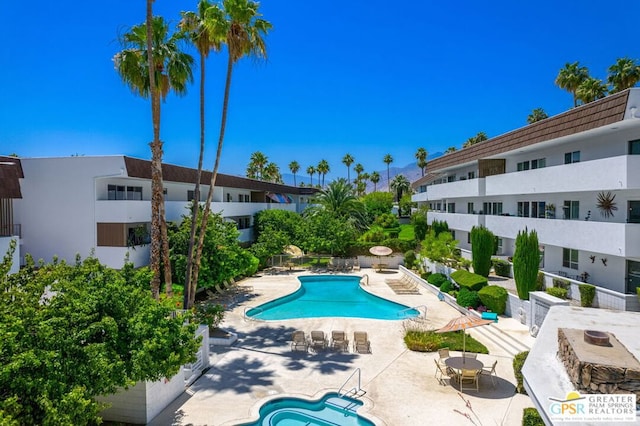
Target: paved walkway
{"x": 400, "y": 385}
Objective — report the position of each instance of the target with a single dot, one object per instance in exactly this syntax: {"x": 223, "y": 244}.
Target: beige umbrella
{"x": 294, "y": 251}
{"x": 380, "y": 251}
{"x": 462, "y": 323}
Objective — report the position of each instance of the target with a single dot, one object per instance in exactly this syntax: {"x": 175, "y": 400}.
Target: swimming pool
{"x": 331, "y": 296}
{"x": 331, "y": 410}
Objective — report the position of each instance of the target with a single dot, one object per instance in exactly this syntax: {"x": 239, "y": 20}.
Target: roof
{"x": 10, "y": 174}
{"x": 172, "y": 173}
{"x": 585, "y": 117}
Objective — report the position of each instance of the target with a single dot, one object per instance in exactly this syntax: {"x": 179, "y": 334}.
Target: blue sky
{"x": 365, "y": 77}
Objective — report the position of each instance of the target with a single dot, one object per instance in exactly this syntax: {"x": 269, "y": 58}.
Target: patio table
{"x": 456, "y": 363}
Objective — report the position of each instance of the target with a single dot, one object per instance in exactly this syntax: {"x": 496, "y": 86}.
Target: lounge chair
{"x": 361, "y": 342}
{"x": 491, "y": 372}
{"x": 469, "y": 376}
{"x": 339, "y": 340}
{"x": 441, "y": 373}
{"x": 299, "y": 341}
{"x": 318, "y": 340}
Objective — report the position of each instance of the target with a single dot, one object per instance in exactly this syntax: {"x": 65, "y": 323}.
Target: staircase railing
{"x": 363, "y": 277}
{"x": 417, "y": 308}
{"x": 355, "y": 390}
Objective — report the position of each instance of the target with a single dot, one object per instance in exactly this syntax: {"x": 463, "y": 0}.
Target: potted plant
{"x": 550, "y": 211}
{"x": 209, "y": 314}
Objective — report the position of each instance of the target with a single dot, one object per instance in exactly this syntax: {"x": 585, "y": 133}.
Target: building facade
{"x": 573, "y": 178}
{"x": 102, "y": 205}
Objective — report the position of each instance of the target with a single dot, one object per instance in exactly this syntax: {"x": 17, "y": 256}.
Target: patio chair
{"x": 299, "y": 341}
{"x": 318, "y": 340}
{"x": 443, "y": 354}
{"x": 491, "y": 372}
{"x": 361, "y": 343}
{"x": 469, "y": 376}
{"x": 442, "y": 373}
{"x": 470, "y": 355}
{"x": 339, "y": 340}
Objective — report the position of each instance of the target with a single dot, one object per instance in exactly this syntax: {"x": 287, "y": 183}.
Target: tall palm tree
{"x": 348, "y": 160}
{"x": 421, "y": 156}
{"x": 339, "y": 199}
{"x": 450, "y": 150}
{"x": 388, "y": 159}
{"x": 400, "y": 185}
{"x": 257, "y": 163}
{"x": 311, "y": 171}
{"x": 323, "y": 168}
{"x": 192, "y": 24}
{"x": 375, "y": 178}
{"x": 358, "y": 168}
{"x": 536, "y": 115}
{"x": 625, "y": 73}
{"x": 272, "y": 173}
{"x": 239, "y": 26}
{"x": 590, "y": 90}
{"x": 479, "y": 137}
{"x": 364, "y": 177}
{"x": 570, "y": 77}
{"x": 294, "y": 167}
{"x": 171, "y": 71}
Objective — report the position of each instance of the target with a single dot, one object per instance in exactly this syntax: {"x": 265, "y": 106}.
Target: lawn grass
{"x": 430, "y": 341}
{"x": 406, "y": 232}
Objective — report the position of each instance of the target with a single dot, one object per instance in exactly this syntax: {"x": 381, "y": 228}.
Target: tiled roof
{"x": 586, "y": 117}
{"x": 142, "y": 169}
{"x": 10, "y": 174}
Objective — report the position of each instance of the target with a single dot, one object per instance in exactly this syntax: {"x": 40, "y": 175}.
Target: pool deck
{"x": 399, "y": 384}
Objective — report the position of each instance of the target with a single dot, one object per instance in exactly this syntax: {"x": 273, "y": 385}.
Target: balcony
{"x": 612, "y": 173}
{"x": 13, "y": 230}
{"x": 459, "y": 221}
{"x": 458, "y": 189}
{"x": 123, "y": 211}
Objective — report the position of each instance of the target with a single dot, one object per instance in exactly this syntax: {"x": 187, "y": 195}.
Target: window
{"x": 570, "y": 258}
{"x": 468, "y": 237}
{"x": 121, "y": 192}
{"x": 165, "y": 192}
{"x": 537, "y": 209}
{"x": 453, "y": 233}
{"x": 470, "y": 208}
{"x": 243, "y": 222}
{"x": 451, "y": 178}
{"x": 523, "y": 209}
{"x": 633, "y": 276}
{"x": 438, "y": 206}
{"x": 138, "y": 235}
{"x": 451, "y": 208}
{"x": 634, "y": 147}
{"x": 571, "y": 209}
{"x": 499, "y": 244}
{"x": 539, "y": 163}
{"x": 524, "y": 165}
{"x": 423, "y": 188}
{"x": 191, "y": 195}
{"x": 634, "y": 212}
{"x": 247, "y": 198}
{"x": 572, "y": 157}
{"x": 471, "y": 175}
{"x": 229, "y": 198}
{"x": 492, "y": 208}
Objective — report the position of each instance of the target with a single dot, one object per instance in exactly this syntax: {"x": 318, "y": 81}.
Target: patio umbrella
{"x": 462, "y": 323}
{"x": 380, "y": 251}
{"x": 294, "y": 251}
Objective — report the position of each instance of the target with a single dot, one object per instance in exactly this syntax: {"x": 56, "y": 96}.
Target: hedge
{"x": 436, "y": 279}
{"x": 469, "y": 280}
{"x": 587, "y": 294}
{"x": 409, "y": 259}
{"x": 560, "y": 283}
{"x": 518, "y": 362}
{"x": 446, "y": 286}
{"x": 559, "y": 292}
{"x": 501, "y": 267}
{"x": 531, "y": 417}
{"x": 467, "y": 298}
{"x": 494, "y": 298}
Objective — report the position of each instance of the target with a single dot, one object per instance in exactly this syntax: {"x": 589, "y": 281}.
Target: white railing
{"x": 355, "y": 390}
{"x": 417, "y": 308}
{"x": 363, "y": 279}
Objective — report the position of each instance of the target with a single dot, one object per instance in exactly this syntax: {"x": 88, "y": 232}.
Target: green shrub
{"x": 501, "y": 267}
{"x": 429, "y": 341}
{"x": 453, "y": 293}
{"x": 409, "y": 259}
{"x": 560, "y": 293}
{"x": 446, "y": 286}
{"x": 483, "y": 247}
{"x": 387, "y": 220}
{"x": 394, "y": 233}
{"x": 374, "y": 234}
{"x": 540, "y": 281}
{"x": 425, "y": 275}
{"x": 587, "y": 294}
{"x": 560, "y": 283}
{"x": 439, "y": 227}
{"x": 531, "y": 417}
{"x": 494, "y": 298}
{"x": 518, "y": 362}
{"x": 469, "y": 280}
{"x": 638, "y": 291}
{"x": 526, "y": 260}
{"x": 437, "y": 279}
{"x": 467, "y": 298}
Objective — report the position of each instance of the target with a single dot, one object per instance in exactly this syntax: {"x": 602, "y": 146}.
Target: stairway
{"x": 505, "y": 340}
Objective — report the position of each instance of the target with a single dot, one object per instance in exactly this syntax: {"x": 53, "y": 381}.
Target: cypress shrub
{"x": 531, "y": 417}
{"x": 502, "y": 267}
{"x": 409, "y": 259}
{"x": 446, "y": 286}
{"x": 559, "y": 292}
{"x": 482, "y": 248}
{"x": 436, "y": 279}
{"x": 494, "y": 298}
{"x": 469, "y": 280}
{"x": 540, "y": 281}
{"x": 518, "y": 362}
{"x": 467, "y": 298}
{"x": 439, "y": 227}
{"x": 525, "y": 262}
{"x": 587, "y": 294}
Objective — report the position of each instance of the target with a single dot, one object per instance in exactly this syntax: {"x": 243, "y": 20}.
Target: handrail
{"x": 416, "y": 308}
{"x": 248, "y": 308}
{"x": 358, "y": 389}
{"x": 363, "y": 277}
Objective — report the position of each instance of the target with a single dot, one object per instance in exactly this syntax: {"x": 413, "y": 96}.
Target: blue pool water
{"x": 331, "y": 410}
{"x": 331, "y": 296}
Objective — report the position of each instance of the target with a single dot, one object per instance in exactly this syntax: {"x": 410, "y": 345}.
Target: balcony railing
{"x": 11, "y": 230}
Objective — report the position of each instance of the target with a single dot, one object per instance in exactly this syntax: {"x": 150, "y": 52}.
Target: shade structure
{"x": 462, "y": 323}
{"x": 294, "y": 251}
{"x": 380, "y": 251}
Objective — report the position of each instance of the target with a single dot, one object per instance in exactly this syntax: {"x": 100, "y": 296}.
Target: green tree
{"x": 70, "y": 333}
{"x": 326, "y": 233}
{"x": 293, "y": 168}
{"x": 405, "y": 205}
{"x": 338, "y": 200}
{"x": 348, "y": 160}
{"x": 537, "y": 114}
{"x": 272, "y": 173}
{"x": 400, "y": 184}
{"x": 377, "y": 203}
{"x": 311, "y": 171}
{"x": 274, "y": 231}
{"x": 590, "y": 90}
{"x": 375, "y": 178}
{"x": 440, "y": 248}
{"x": 420, "y": 224}
{"x": 450, "y": 150}
{"x": 624, "y": 74}
{"x": 171, "y": 71}
{"x": 322, "y": 169}
{"x": 257, "y": 165}
{"x": 479, "y": 137}
{"x": 482, "y": 248}
{"x": 388, "y": 159}
{"x": 358, "y": 168}
{"x": 526, "y": 261}
{"x": 421, "y": 157}
{"x": 241, "y": 29}
{"x": 571, "y": 77}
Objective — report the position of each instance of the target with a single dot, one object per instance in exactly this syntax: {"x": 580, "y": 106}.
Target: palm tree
{"x": 358, "y": 168}
{"x": 450, "y": 150}
{"x": 375, "y": 178}
{"x": 311, "y": 171}
{"x": 625, "y": 73}
{"x": 590, "y": 90}
{"x": 171, "y": 71}
{"x": 536, "y": 115}
{"x": 348, "y": 160}
{"x": 364, "y": 177}
{"x": 421, "y": 156}
{"x": 388, "y": 159}
{"x": 192, "y": 24}
{"x": 272, "y": 173}
{"x": 400, "y": 185}
{"x": 239, "y": 27}
{"x": 339, "y": 199}
{"x": 570, "y": 77}
{"x": 294, "y": 167}
{"x": 323, "y": 169}
{"x": 479, "y": 137}
{"x": 257, "y": 163}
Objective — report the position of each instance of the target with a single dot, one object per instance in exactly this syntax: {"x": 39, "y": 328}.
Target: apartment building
{"x": 10, "y": 174}
{"x": 102, "y": 204}
{"x": 556, "y": 177}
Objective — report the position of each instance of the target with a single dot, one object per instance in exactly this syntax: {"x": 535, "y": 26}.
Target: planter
{"x": 220, "y": 337}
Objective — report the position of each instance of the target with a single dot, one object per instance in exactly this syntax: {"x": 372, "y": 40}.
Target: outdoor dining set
{"x": 465, "y": 370}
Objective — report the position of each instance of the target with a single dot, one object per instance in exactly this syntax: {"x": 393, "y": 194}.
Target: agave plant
{"x": 606, "y": 203}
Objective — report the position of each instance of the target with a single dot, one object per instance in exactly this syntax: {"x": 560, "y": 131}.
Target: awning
{"x": 280, "y": 198}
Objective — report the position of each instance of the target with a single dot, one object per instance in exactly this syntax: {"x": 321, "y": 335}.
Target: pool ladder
{"x": 400, "y": 314}
{"x": 363, "y": 277}
{"x": 354, "y": 392}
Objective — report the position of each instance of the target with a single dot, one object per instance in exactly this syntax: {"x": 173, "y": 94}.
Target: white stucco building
{"x": 548, "y": 177}
{"x": 76, "y": 205}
